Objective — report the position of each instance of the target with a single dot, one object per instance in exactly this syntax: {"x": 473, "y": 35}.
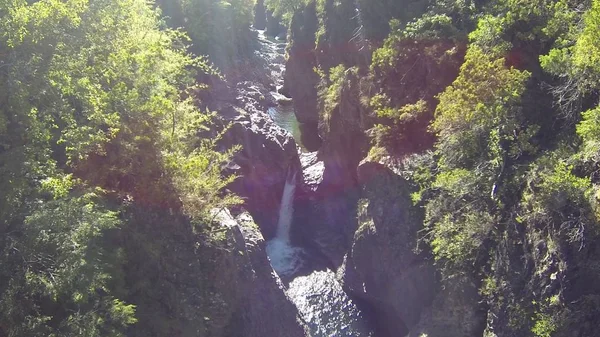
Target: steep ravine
{"x": 340, "y": 233}
{"x": 311, "y": 285}
{"x": 356, "y": 212}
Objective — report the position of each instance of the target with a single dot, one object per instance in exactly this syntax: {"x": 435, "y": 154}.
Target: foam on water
{"x": 285, "y": 259}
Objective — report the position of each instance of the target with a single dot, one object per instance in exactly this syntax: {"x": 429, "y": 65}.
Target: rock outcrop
{"x": 300, "y": 78}
{"x": 325, "y": 211}
{"x": 214, "y": 281}
{"x": 330, "y": 186}
{"x": 262, "y": 164}
{"x": 260, "y": 15}
{"x": 274, "y": 27}
{"x": 536, "y": 268}
{"x": 247, "y": 297}
{"x": 384, "y": 268}
{"x": 456, "y": 311}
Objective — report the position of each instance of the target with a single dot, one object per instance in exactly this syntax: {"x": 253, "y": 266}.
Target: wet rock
{"x": 281, "y": 99}
{"x": 312, "y": 169}
{"x": 266, "y": 154}
{"x": 253, "y": 97}
{"x": 281, "y": 36}
{"x": 248, "y": 298}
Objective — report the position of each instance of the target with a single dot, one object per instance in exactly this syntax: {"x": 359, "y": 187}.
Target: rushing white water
{"x": 286, "y": 211}
{"x": 319, "y": 297}
{"x": 285, "y": 259}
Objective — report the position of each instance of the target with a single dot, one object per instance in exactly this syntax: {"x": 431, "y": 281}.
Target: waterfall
{"x": 285, "y": 259}
{"x": 319, "y": 297}
{"x": 286, "y": 210}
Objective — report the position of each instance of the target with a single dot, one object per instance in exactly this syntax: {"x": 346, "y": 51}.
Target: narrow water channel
{"x": 319, "y": 297}
{"x": 273, "y": 52}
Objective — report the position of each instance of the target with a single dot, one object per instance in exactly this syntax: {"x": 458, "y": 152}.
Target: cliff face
{"x": 321, "y": 37}
{"x": 385, "y": 267}
{"x": 535, "y": 271}
{"x": 381, "y": 265}
{"x": 360, "y": 215}
{"x": 267, "y": 153}
{"x": 300, "y": 77}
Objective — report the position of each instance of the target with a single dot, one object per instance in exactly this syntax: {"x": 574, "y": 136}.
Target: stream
{"x": 273, "y": 52}
{"x": 319, "y": 297}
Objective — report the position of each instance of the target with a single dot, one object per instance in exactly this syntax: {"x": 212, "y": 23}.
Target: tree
{"x": 479, "y": 133}
{"x": 96, "y": 113}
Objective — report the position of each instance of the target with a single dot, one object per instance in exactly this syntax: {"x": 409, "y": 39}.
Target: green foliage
{"x": 331, "y": 89}
{"x": 587, "y": 51}
{"x": 479, "y": 111}
{"x": 589, "y": 130}
{"x": 377, "y": 14}
{"x": 92, "y": 117}
{"x": 217, "y": 27}
{"x": 416, "y": 62}
{"x": 430, "y": 26}
{"x": 574, "y": 58}
{"x": 286, "y": 8}
{"x": 544, "y": 326}
{"x": 195, "y": 169}
{"x": 60, "y": 273}
{"x": 559, "y": 200}
{"x": 397, "y": 119}
{"x": 462, "y": 219}
{"x": 477, "y": 123}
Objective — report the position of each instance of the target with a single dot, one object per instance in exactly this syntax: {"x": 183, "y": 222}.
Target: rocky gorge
{"x": 352, "y": 220}
{"x": 356, "y": 229}
{"x": 246, "y": 168}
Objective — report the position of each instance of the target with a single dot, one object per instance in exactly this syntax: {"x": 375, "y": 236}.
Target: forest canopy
{"x": 96, "y": 115}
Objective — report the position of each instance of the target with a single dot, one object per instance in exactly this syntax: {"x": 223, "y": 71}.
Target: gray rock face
{"x": 300, "y": 79}
{"x": 385, "y": 270}
{"x": 260, "y": 15}
{"x": 382, "y": 266}
{"x": 455, "y": 312}
{"x": 330, "y": 182}
{"x": 262, "y": 164}
{"x": 325, "y": 210}
{"x": 249, "y": 296}
{"x": 274, "y": 26}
